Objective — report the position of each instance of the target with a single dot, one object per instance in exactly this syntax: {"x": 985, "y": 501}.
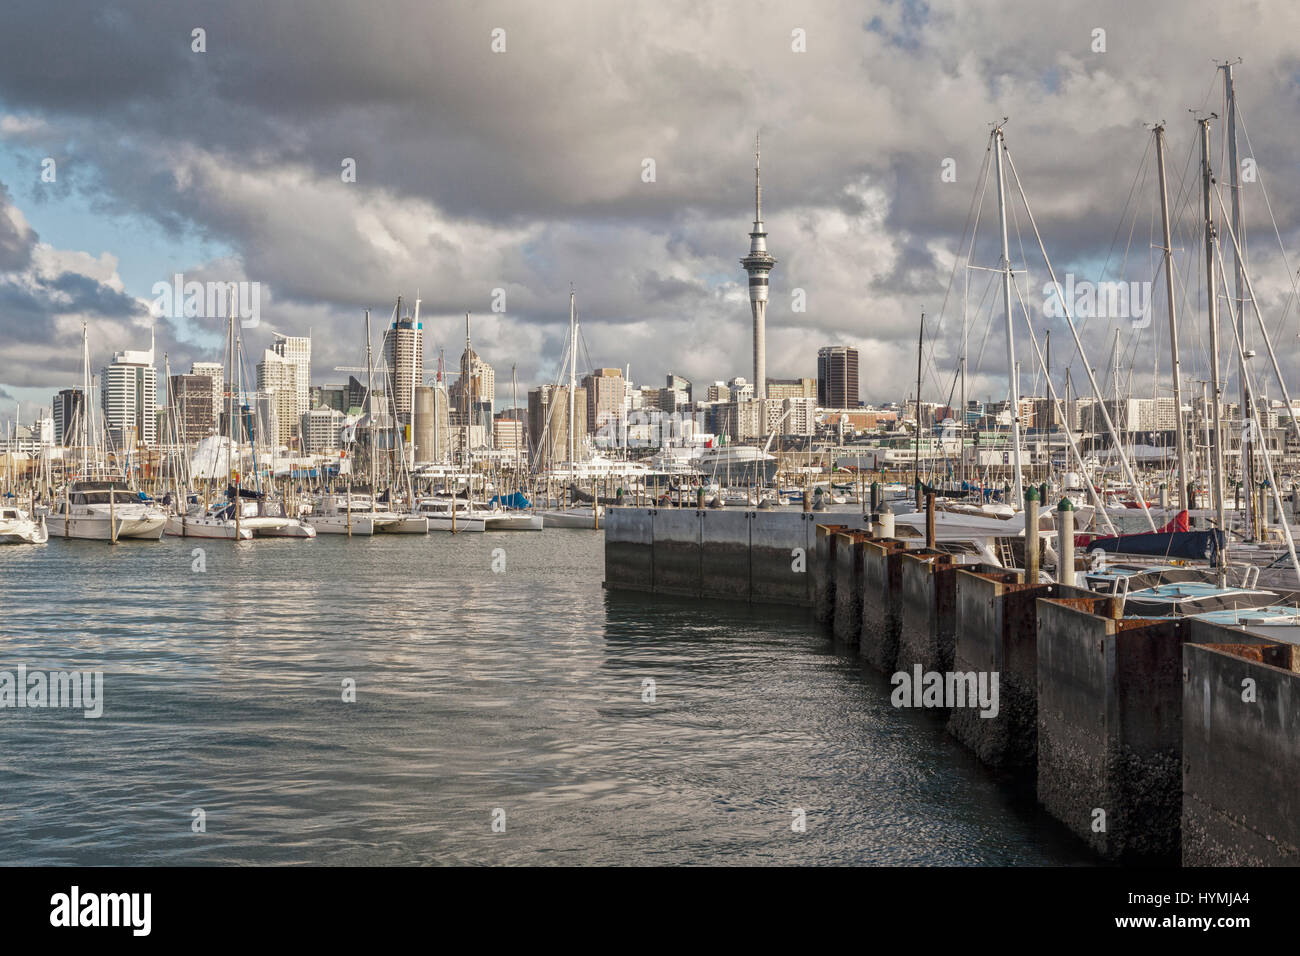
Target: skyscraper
{"x": 837, "y": 377}
{"x": 473, "y": 395}
{"x": 69, "y": 409}
{"x": 277, "y": 386}
{"x": 297, "y": 349}
{"x": 404, "y": 354}
{"x": 216, "y": 373}
{"x": 191, "y": 397}
{"x": 605, "y": 393}
{"x": 548, "y": 424}
{"x": 758, "y": 264}
{"x": 129, "y": 396}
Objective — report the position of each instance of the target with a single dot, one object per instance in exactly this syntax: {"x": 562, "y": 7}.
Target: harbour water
{"x": 522, "y": 690}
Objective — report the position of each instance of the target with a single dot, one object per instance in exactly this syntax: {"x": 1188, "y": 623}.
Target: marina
{"x": 624, "y": 437}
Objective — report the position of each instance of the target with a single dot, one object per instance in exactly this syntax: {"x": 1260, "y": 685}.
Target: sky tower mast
{"x": 758, "y": 264}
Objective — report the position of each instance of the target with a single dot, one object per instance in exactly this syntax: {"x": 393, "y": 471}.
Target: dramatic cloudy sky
{"x": 522, "y": 170}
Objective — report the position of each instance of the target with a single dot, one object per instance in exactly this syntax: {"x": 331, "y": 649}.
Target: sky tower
{"x": 758, "y": 264}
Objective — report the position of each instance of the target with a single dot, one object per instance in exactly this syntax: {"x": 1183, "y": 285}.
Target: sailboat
{"x": 357, "y": 513}
{"x": 409, "y": 520}
{"x": 574, "y": 516}
{"x": 450, "y": 512}
{"x": 101, "y": 509}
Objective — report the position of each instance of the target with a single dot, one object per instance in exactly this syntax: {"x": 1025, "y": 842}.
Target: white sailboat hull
{"x": 568, "y": 518}
{"x": 361, "y": 523}
{"x": 292, "y": 528}
{"x": 186, "y": 526}
{"x": 23, "y": 531}
{"x": 406, "y": 524}
{"x": 463, "y": 523}
{"x": 513, "y": 521}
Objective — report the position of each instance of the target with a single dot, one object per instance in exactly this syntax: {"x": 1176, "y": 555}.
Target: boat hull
{"x": 360, "y": 524}
{"x": 522, "y": 521}
{"x": 406, "y": 524}
{"x": 464, "y": 523}
{"x": 193, "y": 527}
{"x": 24, "y": 532}
{"x": 292, "y": 528}
{"x": 567, "y": 518}
{"x": 100, "y": 529}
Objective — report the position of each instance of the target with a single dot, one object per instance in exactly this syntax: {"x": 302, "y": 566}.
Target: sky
{"x": 506, "y": 146}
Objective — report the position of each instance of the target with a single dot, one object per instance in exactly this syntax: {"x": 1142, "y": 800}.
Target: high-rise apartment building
{"x": 128, "y": 391}
{"x": 277, "y": 384}
{"x": 297, "y": 349}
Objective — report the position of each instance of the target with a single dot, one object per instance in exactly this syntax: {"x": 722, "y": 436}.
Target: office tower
{"x": 320, "y": 429}
{"x": 548, "y": 424}
{"x": 216, "y": 373}
{"x": 837, "y": 377}
{"x": 69, "y": 407}
{"x": 605, "y": 398}
{"x": 191, "y": 398}
{"x": 404, "y": 355}
{"x": 432, "y": 425}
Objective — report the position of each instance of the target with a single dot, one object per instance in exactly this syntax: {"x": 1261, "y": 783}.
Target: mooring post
{"x": 1031, "y": 536}
{"x": 885, "y": 520}
{"x": 1065, "y": 542}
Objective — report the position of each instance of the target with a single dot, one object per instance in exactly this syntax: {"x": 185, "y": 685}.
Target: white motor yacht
{"x": 18, "y": 527}
{"x": 438, "y": 511}
{"x": 106, "y": 511}
{"x": 350, "y": 515}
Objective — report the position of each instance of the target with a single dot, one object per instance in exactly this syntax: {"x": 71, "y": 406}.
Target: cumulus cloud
{"x": 522, "y": 171}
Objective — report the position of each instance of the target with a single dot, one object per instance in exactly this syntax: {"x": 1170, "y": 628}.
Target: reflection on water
{"x": 520, "y": 691}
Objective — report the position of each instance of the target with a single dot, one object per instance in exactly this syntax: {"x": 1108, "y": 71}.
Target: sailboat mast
{"x": 573, "y": 358}
{"x": 1018, "y": 488}
{"x": 86, "y": 408}
{"x": 965, "y": 348}
{"x": 1247, "y": 438}
{"x": 519, "y": 432}
{"x": 1180, "y": 440}
{"x": 417, "y": 378}
{"x": 916, "y": 455}
{"x": 370, "y": 412}
{"x": 1212, "y": 307}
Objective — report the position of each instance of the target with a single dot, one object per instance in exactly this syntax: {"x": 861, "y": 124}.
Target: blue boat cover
{"x": 1174, "y": 544}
